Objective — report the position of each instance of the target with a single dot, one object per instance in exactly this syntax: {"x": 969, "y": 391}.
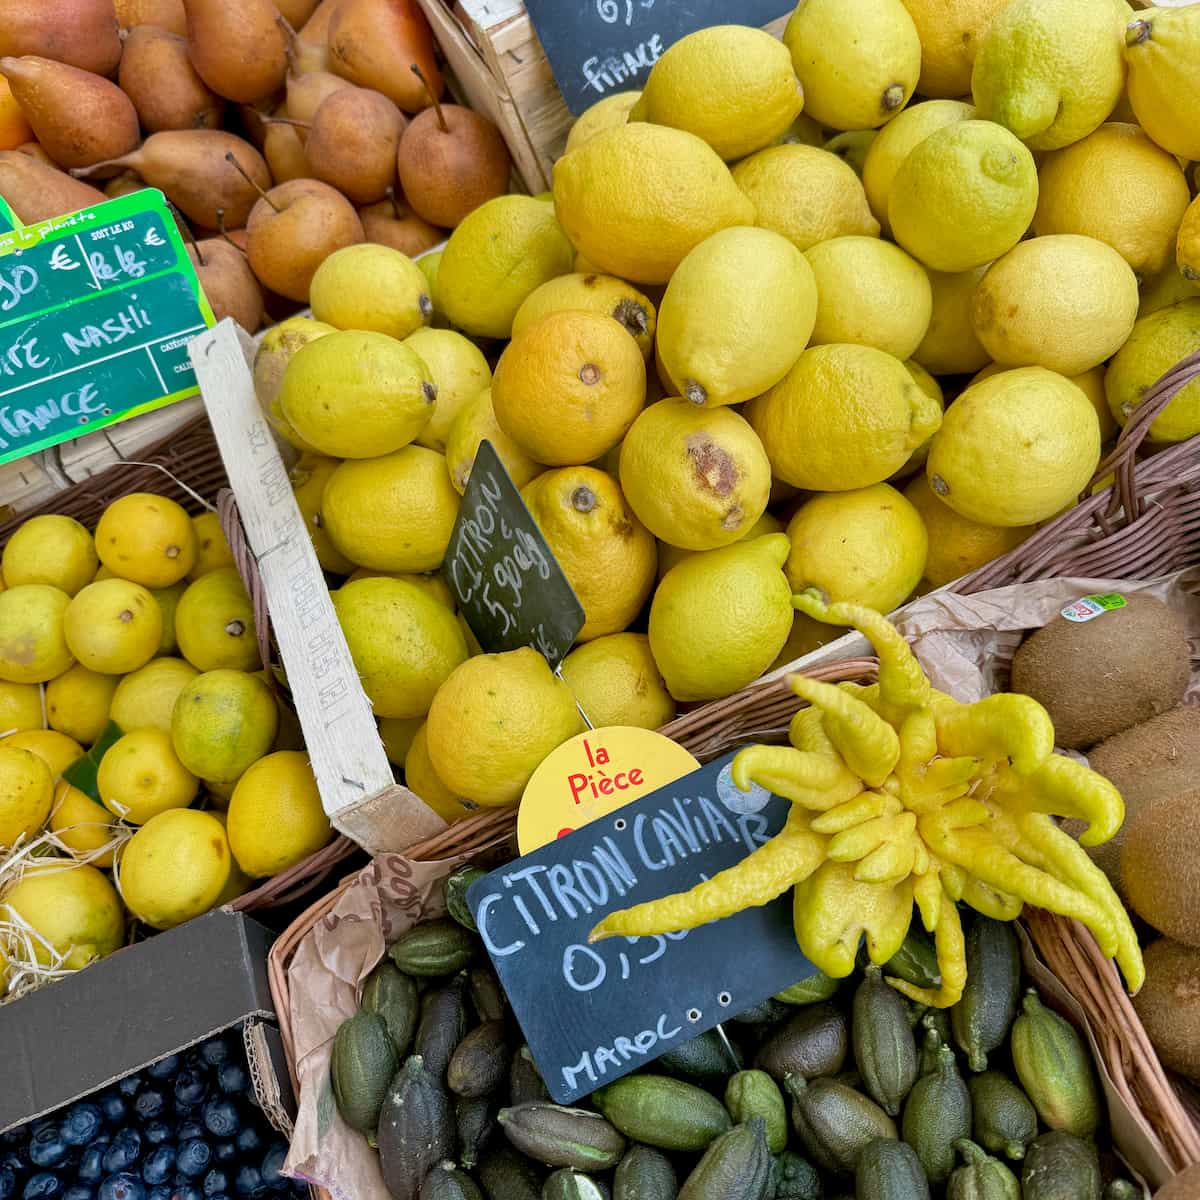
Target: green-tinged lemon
{"x": 371, "y": 287}
{"x": 146, "y": 699}
{"x": 52, "y": 550}
{"x": 113, "y": 626}
{"x": 309, "y": 477}
{"x": 950, "y": 345}
{"x": 78, "y": 703}
{"x": 617, "y": 682}
{"x": 141, "y": 776}
{"x": 26, "y": 792}
{"x": 474, "y": 424}
{"x": 608, "y": 113}
{"x": 459, "y": 373}
{"x": 33, "y": 644}
{"x": 223, "y": 721}
{"x": 214, "y": 623}
{"x": 74, "y": 911}
{"x": 20, "y": 707}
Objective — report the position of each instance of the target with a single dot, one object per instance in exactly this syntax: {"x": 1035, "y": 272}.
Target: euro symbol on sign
{"x": 152, "y": 239}
{"x": 60, "y": 260}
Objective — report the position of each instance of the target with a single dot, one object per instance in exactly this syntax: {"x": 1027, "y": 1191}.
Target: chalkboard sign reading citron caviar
{"x": 96, "y": 310}
{"x": 597, "y": 47}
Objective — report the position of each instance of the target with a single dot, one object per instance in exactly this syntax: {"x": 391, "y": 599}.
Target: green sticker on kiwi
{"x": 1087, "y": 607}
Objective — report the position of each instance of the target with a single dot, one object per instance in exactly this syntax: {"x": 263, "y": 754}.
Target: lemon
{"x": 805, "y": 193}
{"x": 393, "y": 513}
{"x": 696, "y": 477}
{"x": 870, "y": 293}
{"x": 606, "y": 553}
{"x": 146, "y": 698}
{"x": 495, "y": 257}
{"x": 55, "y": 749}
{"x": 212, "y": 547}
{"x": 238, "y": 883}
{"x": 1091, "y": 383}
{"x": 949, "y": 31}
{"x": 33, "y": 646}
{"x": 568, "y": 387}
{"x": 113, "y": 626}
{"x": 475, "y": 423}
{"x": 459, "y": 373}
{"x": 735, "y": 316}
{"x": 430, "y": 265}
{"x": 223, "y": 721}
{"x": 603, "y": 294}
{"x": 669, "y": 555}
{"x": 26, "y": 792}
{"x": 1050, "y": 70}
{"x": 617, "y": 682}
{"x": 494, "y": 720}
{"x": 852, "y": 147}
{"x": 274, "y": 352}
{"x": 858, "y": 60}
{"x": 1156, "y": 344}
{"x": 275, "y": 815}
{"x": 432, "y": 585}
{"x": 611, "y": 111}
{"x": 1015, "y": 449}
{"x": 635, "y": 199}
{"x": 1062, "y": 301}
{"x": 175, "y": 867}
{"x": 731, "y": 85}
{"x": 1161, "y": 48}
{"x": 20, "y": 707}
{"x": 950, "y": 345}
{"x": 1188, "y": 244}
{"x": 1118, "y": 186}
{"x": 806, "y": 636}
{"x": 53, "y": 550}
{"x": 897, "y": 140}
{"x": 403, "y": 642}
{"x": 956, "y": 544}
{"x": 73, "y": 909}
{"x": 309, "y": 477}
{"x": 866, "y": 546}
{"x": 146, "y": 539}
{"x": 933, "y": 390}
{"x": 964, "y": 196}
{"x": 844, "y": 417}
{"x": 371, "y": 287}
{"x": 397, "y": 734}
{"x": 215, "y": 623}
{"x": 804, "y": 131}
{"x": 357, "y": 394}
{"x": 167, "y": 600}
{"x": 82, "y": 825}
{"x": 421, "y": 778}
{"x": 78, "y": 703}
{"x": 718, "y": 619}
{"x": 141, "y": 776}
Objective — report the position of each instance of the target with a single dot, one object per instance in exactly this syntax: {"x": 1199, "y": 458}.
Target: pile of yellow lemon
{"x": 856, "y": 309}
{"x": 142, "y": 633}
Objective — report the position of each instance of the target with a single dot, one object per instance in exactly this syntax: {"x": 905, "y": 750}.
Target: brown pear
{"x": 374, "y": 43}
{"x": 352, "y": 143}
{"x": 228, "y": 282}
{"x": 238, "y": 47}
{"x": 157, "y": 75}
{"x": 35, "y": 150}
{"x": 450, "y": 161}
{"x": 392, "y": 223}
{"x": 37, "y": 192}
{"x": 80, "y": 33}
{"x": 316, "y": 29}
{"x": 78, "y": 117}
{"x": 307, "y": 91}
{"x": 293, "y": 229}
{"x": 191, "y": 168}
{"x": 284, "y": 152}
{"x": 124, "y": 184}
{"x": 166, "y": 14}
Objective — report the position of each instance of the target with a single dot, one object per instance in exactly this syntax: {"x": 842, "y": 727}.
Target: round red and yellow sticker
{"x": 594, "y": 774}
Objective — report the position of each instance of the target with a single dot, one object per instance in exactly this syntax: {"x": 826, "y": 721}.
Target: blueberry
{"x": 272, "y": 1166}
{"x": 194, "y": 1158}
{"x": 159, "y": 1165}
{"x": 156, "y": 1132}
{"x": 122, "y": 1186}
{"x": 162, "y": 1192}
{"x": 249, "y": 1140}
{"x": 165, "y": 1068}
{"x": 249, "y": 1181}
{"x": 129, "y": 1085}
{"x": 8, "y": 1183}
{"x": 149, "y": 1103}
{"x": 17, "y": 1136}
{"x": 186, "y": 1191}
{"x": 189, "y": 1130}
{"x": 91, "y": 1165}
{"x": 114, "y": 1108}
{"x": 221, "y": 1118}
{"x": 81, "y": 1124}
{"x": 232, "y": 1078}
{"x": 124, "y": 1152}
{"x": 190, "y": 1087}
{"x": 215, "y": 1052}
{"x": 42, "y": 1186}
{"x": 224, "y": 1153}
{"x": 79, "y": 1191}
{"x": 215, "y": 1183}
{"x": 47, "y": 1148}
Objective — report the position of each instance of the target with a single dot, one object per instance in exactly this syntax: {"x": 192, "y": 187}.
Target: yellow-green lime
{"x": 223, "y": 721}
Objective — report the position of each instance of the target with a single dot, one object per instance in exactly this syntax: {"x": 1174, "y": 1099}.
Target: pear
{"x": 228, "y": 282}
{"x": 307, "y": 91}
{"x": 284, "y": 152}
{"x": 393, "y": 223}
{"x": 292, "y": 230}
{"x": 374, "y": 43}
{"x": 166, "y": 14}
{"x": 80, "y": 33}
{"x": 78, "y": 117}
{"x": 36, "y": 150}
{"x": 124, "y": 184}
{"x": 315, "y": 30}
{"x": 352, "y": 143}
{"x": 296, "y": 12}
{"x": 192, "y": 169}
{"x": 158, "y": 77}
{"x": 238, "y": 47}
{"x": 451, "y": 160}
{"x": 37, "y": 192}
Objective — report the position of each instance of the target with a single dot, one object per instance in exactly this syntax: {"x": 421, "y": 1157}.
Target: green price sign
{"x": 96, "y": 311}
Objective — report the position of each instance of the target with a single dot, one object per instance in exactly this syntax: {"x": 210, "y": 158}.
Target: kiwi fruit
{"x": 1184, "y": 1186}
{"x": 1159, "y": 868}
{"x": 1096, "y": 678}
{"x": 1159, "y": 758}
{"x": 1169, "y": 1005}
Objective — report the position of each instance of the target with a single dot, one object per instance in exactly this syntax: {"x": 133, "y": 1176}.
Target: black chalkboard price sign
{"x": 597, "y": 47}
{"x": 594, "y": 1013}
{"x": 506, "y": 581}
